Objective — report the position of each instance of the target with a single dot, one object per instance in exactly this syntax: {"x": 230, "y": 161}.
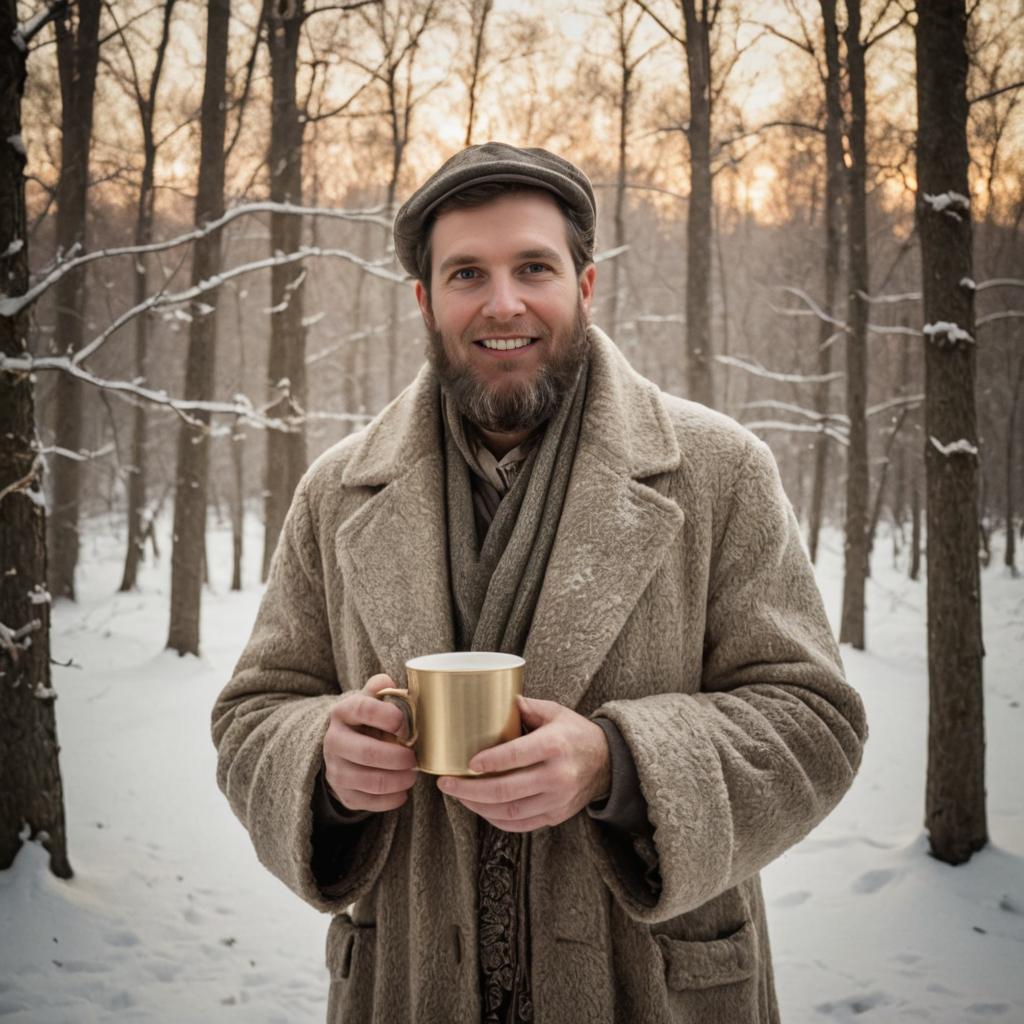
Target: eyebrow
{"x": 467, "y": 259}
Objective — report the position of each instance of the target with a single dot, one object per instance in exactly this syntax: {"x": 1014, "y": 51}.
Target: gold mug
{"x": 459, "y": 704}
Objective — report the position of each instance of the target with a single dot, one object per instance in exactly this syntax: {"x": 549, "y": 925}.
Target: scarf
{"x": 496, "y": 581}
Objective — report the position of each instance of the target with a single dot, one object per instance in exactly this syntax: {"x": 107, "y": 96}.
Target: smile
{"x": 505, "y": 344}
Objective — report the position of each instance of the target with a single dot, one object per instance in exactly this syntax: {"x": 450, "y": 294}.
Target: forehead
{"x": 504, "y": 226}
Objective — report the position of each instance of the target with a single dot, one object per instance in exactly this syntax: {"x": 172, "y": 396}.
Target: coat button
{"x": 456, "y": 935}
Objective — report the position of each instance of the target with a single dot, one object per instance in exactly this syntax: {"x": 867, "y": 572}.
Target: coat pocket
{"x": 350, "y": 961}
{"x": 713, "y": 981}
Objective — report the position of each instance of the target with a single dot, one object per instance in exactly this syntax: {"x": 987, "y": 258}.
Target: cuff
{"x": 329, "y": 812}
{"x": 625, "y": 806}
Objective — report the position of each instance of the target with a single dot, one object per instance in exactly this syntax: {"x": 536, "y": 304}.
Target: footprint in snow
{"x": 872, "y": 881}
{"x": 854, "y": 1006}
{"x": 793, "y": 899}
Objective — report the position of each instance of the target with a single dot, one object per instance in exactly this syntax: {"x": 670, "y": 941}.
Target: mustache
{"x": 511, "y": 327}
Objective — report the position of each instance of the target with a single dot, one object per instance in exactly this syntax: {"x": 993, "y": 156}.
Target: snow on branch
{"x": 954, "y": 447}
{"x": 904, "y": 401}
{"x": 811, "y": 414}
{"x": 610, "y": 254}
{"x": 79, "y": 456}
{"x": 367, "y": 332}
{"x": 241, "y": 406}
{"x": 946, "y": 334}
{"x": 161, "y": 299}
{"x": 786, "y": 378}
{"x": 876, "y": 300}
{"x": 1000, "y": 282}
{"x": 1003, "y": 314}
{"x": 813, "y": 309}
{"x": 948, "y": 203}
{"x": 13, "y": 641}
{"x": 805, "y": 428}
{"x": 28, "y": 30}
{"x": 11, "y": 306}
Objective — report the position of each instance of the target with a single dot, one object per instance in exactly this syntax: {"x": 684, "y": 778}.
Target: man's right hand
{"x": 363, "y": 771}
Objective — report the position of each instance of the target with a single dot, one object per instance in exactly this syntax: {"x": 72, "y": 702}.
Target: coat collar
{"x": 612, "y": 535}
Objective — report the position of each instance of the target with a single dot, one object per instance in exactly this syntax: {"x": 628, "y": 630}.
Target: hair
{"x": 580, "y": 240}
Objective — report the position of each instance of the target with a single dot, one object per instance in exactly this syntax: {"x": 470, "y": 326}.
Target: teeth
{"x": 503, "y": 344}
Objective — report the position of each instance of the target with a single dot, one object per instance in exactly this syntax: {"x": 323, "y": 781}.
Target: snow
{"x": 947, "y": 201}
{"x": 170, "y": 918}
{"x": 946, "y": 334}
{"x": 960, "y": 445}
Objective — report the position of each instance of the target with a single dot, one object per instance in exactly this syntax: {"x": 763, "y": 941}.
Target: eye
{"x": 459, "y": 274}
{"x": 537, "y": 268}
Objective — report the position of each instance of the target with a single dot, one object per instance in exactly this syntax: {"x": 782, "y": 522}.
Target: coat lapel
{"x": 393, "y": 550}
{"x": 614, "y": 530}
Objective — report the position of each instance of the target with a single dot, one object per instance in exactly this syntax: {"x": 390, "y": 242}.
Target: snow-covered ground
{"x": 171, "y": 919}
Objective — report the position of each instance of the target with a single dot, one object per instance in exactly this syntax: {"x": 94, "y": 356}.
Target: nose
{"x": 503, "y": 301}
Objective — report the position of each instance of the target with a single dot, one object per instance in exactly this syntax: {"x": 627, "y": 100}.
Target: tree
{"x": 77, "y": 57}
{"x": 479, "y": 11}
{"x": 698, "y": 23}
{"x": 31, "y": 797}
{"x": 194, "y": 436}
{"x": 834, "y": 173}
{"x": 851, "y": 629}
{"x": 145, "y": 100}
{"x": 955, "y": 798}
{"x": 286, "y": 363}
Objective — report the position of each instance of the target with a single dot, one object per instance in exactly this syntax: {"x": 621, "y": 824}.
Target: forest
{"x": 811, "y": 218}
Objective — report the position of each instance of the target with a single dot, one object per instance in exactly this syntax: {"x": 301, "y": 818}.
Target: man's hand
{"x": 547, "y": 775}
{"x": 364, "y": 771}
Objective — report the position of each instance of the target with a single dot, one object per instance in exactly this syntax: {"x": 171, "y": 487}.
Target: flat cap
{"x": 492, "y": 161}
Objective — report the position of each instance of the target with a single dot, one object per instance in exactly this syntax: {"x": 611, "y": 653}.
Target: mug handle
{"x": 402, "y": 695}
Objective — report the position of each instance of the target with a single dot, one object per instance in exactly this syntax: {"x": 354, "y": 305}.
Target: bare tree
{"x": 286, "y": 365}
{"x": 627, "y": 62}
{"x": 834, "y": 173}
{"x": 479, "y": 12}
{"x": 698, "y": 25}
{"x": 193, "y": 437}
{"x": 398, "y": 28}
{"x": 145, "y": 101}
{"x": 32, "y": 792}
{"x": 955, "y": 814}
{"x": 851, "y": 629}
{"x": 77, "y": 57}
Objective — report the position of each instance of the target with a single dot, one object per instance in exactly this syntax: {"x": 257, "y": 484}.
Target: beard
{"x": 512, "y": 407}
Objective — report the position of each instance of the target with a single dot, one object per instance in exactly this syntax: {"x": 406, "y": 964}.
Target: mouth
{"x": 506, "y": 346}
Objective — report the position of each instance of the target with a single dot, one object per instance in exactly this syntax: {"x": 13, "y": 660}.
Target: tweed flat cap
{"x": 492, "y": 161}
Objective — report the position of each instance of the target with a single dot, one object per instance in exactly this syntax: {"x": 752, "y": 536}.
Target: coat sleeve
{"x": 738, "y": 772}
{"x": 269, "y": 723}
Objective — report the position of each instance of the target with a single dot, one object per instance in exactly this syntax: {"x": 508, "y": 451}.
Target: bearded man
{"x": 686, "y": 715}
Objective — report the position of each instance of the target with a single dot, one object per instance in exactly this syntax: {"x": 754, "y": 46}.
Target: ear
{"x": 587, "y": 279}
{"x": 424, "y": 303}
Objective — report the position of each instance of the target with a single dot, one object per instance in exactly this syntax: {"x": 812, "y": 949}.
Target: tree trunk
{"x": 77, "y": 58}
{"x": 698, "y": 220}
{"x": 237, "y": 505}
{"x": 851, "y": 629}
{"x": 194, "y": 440}
{"x": 834, "y": 171}
{"x": 143, "y": 235}
{"x": 31, "y": 796}
{"x": 1010, "y": 555}
{"x": 286, "y": 367}
{"x": 480, "y": 11}
{"x": 955, "y": 802}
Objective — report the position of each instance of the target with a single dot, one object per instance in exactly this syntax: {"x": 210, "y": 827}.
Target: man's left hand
{"x": 542, "y": 778}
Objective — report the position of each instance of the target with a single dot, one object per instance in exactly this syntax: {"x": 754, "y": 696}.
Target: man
{"x": 687, "y": 718}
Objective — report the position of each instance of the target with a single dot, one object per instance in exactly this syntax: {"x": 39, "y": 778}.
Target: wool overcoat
{"x": 678, "y": 602}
